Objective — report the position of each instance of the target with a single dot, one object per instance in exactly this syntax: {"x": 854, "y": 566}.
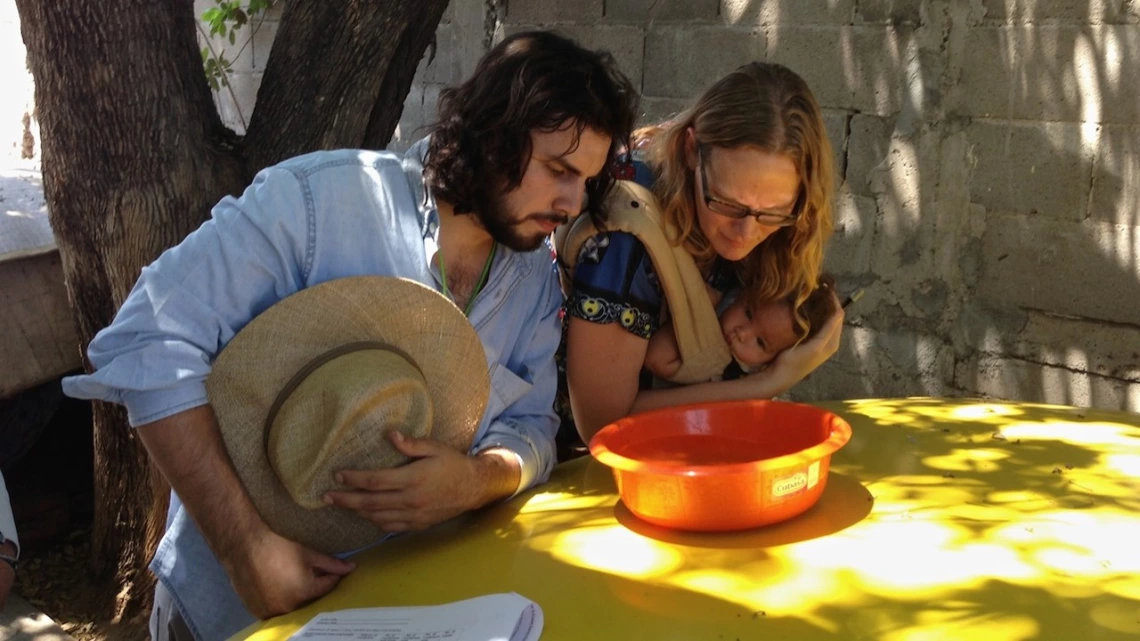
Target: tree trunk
{"x": 337, "y": 76}
{"x": 135, "y": 155}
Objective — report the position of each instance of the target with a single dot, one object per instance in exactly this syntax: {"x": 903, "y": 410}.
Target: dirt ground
{"x": 49, "y": 477}
{"x": 54, "y": 579}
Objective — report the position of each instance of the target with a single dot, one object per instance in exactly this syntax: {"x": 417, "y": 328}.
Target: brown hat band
{"x": 321, "y": 359}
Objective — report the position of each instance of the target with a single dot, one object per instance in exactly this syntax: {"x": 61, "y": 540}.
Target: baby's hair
{"x": 815, "y": 310}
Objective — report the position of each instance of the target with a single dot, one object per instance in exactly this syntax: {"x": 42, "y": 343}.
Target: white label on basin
{"x": 813, "y": 475}
{"x": 789, "y": 484}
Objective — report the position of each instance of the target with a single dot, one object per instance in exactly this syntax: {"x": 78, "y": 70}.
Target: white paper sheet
{"x": 495, "y": 617}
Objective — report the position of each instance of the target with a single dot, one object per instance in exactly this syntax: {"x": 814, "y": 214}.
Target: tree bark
{"x": 337, "y": 76}
{"x": 135, "y": 155}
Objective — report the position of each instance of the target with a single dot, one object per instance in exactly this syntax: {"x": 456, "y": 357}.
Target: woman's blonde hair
{"x": 769, "y": 107}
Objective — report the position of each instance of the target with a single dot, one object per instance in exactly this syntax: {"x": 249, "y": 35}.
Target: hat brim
{"x": 252, "y": 369}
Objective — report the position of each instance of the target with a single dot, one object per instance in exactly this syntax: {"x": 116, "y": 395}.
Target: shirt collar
{"x": 426, "y": 210}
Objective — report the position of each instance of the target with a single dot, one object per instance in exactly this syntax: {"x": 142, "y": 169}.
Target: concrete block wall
{"x": 247, "y": 56}
{"x": 464, "y": 32}
{"x": 19, "y": 131}
{"x": 989, "y": 154}
{"x": 990, "y": 163}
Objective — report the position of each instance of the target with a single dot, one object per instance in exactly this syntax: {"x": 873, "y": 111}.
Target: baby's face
{"x": 757, "y": 335}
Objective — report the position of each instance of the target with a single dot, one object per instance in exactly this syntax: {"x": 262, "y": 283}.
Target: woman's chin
{"x": 733, "y": 252}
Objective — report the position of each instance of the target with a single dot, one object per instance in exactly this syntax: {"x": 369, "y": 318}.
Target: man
{"x": 518, "y": 148}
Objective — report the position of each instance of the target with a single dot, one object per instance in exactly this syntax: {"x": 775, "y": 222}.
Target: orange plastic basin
{"x": 721, "y": 466}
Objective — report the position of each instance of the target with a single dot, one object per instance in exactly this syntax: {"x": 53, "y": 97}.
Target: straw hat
{"x": 312, "y": 385}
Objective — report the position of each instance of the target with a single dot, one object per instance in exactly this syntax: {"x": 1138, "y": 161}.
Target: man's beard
{"x": 507, "y": 232}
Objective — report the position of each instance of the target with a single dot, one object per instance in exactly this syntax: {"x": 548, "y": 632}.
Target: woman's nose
{"x": 749, "y": 227}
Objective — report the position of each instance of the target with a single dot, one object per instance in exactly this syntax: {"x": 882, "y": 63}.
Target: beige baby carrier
{"x": 633, "y": 209}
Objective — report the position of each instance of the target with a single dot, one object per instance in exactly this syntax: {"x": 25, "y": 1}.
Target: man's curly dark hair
{"x": 531, "y": 81}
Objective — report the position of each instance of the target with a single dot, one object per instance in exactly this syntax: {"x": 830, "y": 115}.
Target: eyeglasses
{"x": 732, "y": 210}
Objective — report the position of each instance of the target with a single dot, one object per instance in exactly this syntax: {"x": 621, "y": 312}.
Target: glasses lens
{"x": 725, "y": 209}
{"x": 778, "y": 221}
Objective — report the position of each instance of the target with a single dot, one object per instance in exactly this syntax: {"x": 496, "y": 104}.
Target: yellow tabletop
{"x": 942, "y": 519}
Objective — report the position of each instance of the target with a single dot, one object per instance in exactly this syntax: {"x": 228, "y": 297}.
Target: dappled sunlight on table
{"x": 941, "y": 520}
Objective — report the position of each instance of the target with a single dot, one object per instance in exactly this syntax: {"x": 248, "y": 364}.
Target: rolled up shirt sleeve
{"x": 527, "y": 426}
{"x": 155, "y": 356}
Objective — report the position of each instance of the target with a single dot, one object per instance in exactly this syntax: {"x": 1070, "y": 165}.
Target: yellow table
{"x": 943, "y": 519}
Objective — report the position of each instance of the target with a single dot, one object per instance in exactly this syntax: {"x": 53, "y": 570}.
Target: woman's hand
{"x": 795, "y": 363}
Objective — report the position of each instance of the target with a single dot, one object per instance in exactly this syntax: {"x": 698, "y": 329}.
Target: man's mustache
{"x": 558, "y": 219}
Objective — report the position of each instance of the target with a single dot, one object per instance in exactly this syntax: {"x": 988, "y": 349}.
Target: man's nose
{"x": 570, "y": 200}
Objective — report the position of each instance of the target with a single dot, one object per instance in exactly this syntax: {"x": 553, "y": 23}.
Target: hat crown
{"x": 335, "y": 417}
{"x": 257, "y": 372}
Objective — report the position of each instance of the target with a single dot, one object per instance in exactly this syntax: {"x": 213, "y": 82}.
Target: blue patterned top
{"x": 615, "y": 282}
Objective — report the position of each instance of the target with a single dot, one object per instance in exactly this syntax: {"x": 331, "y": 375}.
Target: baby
{"x": 755, "y": 334}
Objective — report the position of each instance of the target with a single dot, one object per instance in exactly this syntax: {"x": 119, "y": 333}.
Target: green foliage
{"x": 225, "y": 20}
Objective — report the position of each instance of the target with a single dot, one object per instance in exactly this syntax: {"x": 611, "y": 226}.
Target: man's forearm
{"x": 188, "y": 449}
{"x": 497, "y": 473}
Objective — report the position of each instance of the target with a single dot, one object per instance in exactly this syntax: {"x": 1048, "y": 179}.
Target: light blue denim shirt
{"x": 311, "y": 219}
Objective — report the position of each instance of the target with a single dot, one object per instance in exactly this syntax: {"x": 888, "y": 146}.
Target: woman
{"x": 745, "y": 177}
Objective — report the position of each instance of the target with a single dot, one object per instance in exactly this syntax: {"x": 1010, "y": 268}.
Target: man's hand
{"x": 274, "y": 575}
{"x": 271, "y": 574}
{"x": 438, "y": 484}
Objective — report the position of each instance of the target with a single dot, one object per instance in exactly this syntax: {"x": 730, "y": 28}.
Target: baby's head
{"x": 757, "y": 333}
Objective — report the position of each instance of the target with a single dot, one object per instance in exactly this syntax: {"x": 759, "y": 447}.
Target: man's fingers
{"x": 320, "y": 586}
{"x": 374, "y": 501}
{"x": 326, "y": 564}
{"x": 413, "y": 447}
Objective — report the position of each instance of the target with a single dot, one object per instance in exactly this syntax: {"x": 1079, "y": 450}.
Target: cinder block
{"x": 846, "y": 67}
{"x": 420, "y": 110}
{"x": 239, "y": 57}
{"x": 1116, "y": 176}
{"x": 849, "y": 251}
{"x": 626, "y": 43}
{"x": 236, "y": 115}
{"x": 759, "y": 12}
{"x": 469, "y": 22}
{"x": 643, "y": 10}
{"x": 1051, "y": 73}
{"x": 908, "y": 12}
{"x": 262, "y": 43}
{"x": 883, "y": 364}
{"x": 656, "y": 110}
{"x": 547, "y": 11}
{"x": 1054, "y": 11}
{"x": 682, "y": 62}
{"x": 444, "y": 69}
{"x": 1016, "y": 379}
{"x": 1085, "y": 270}
{"x": 1105, "y": 350}
{"x": 835, "y": 124}
{"x": 1040, "y": 168}
{"x": 868, "y": 146}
